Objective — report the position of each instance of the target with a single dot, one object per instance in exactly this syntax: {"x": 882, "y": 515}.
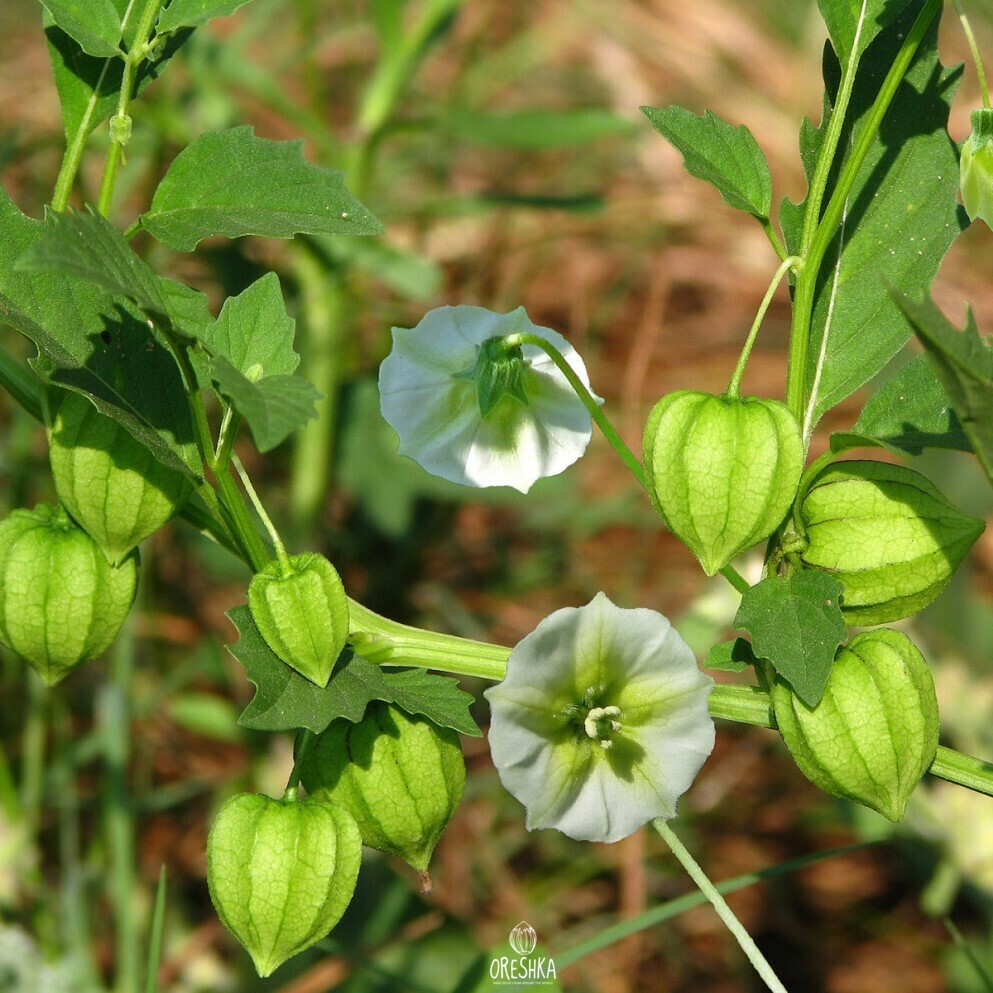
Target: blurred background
{"x": 502, "y": 145}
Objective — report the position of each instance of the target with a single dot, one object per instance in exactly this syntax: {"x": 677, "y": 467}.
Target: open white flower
{"x": 475, "y": 412}
{"x": 601, "y": 723}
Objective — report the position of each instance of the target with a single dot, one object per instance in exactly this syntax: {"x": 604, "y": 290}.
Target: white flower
{"x": 472, "y": 411}
{"x": 601, "y": 722}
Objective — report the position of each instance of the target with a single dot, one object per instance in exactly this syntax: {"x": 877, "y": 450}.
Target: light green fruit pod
{"x": 722, "y": 470}
{"x": 109, "y": 481}
{"x": 401, "y": 777}
{"x": 281, "y": 872}
{"x": 889, "y": 536}
{"x": 61, "y": 602}
{"x": 301, "y": 610}
{"x": 875, "y": 731}
{"x": 976, "y": 167}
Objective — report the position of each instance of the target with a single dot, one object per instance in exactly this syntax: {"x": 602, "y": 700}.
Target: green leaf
{"x": 192, "y": 13}
{"x": 535, "y": 130}
{"x": 96, "y": 344}
{"x": 89, "y": 86}
{"x": 911, "y": 412}
{"x": 963, "y": 362}
{"x": 94, "y": 24}
{"x": 254, "y": 330}
{"x": 796, "y": 623}
{"x": 90, "y": 247}
{"x": 274, "y": 407}
{"x": 731, "y": 656}
{"x": 285, "y": 700}
{"x": 853, "y": 24}
{"x": 231, "y": 183}
{"x": 726, "y": 157}
{"x": 901, "y": 217}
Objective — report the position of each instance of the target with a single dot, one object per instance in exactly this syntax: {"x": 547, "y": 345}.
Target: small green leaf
{"x": 96, "y": 344}
{"x": 911, "y": 412}
{"x": 853, "y": 24}
{"x": 724, "y": 156}
{"x": 536, "y": 130}
{"x": 254, "y": 330}
{"x": 796, "y": 623}
{"x": 94, "y": 24}
{"x": 285, "y": 700}
{"x": 192, "y": 13}
{"x": 274, "y": 407}
{"x": 963, "y": 362}
{"x": 731, "y": 656}
{"x": 231, "y": 183}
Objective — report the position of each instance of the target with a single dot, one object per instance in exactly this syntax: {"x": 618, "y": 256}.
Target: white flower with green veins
{"x": 601, "y": 723}
{"x": 478, "y": 410}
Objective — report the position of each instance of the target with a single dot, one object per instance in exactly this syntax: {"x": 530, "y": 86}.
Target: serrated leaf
{"x": 911, "y": 412}
{"x": 96, "y": 344}
{"x": 285, "y": 700}
{"x": 87, "y": 245}
{"x": 253, "y": 329}
{"x": 89, "y": 86}
{"x": 535, "y": 130}
{"x": 192, "y": 13}
{"x": 796, "y": 623}
{"x": 731, "y": 656}
{"x": 231, "y": 183}
{"x": 853, "y": 24}
{"x": 963, "y": 362}
{"x": 901, "y": 217}
{"x": 94, "y": 24}
{"x": 726, "y": 157}
{"x": 274, "y": 407}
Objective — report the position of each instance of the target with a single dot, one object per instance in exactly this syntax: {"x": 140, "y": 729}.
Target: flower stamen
{"x": 600, "y": 724}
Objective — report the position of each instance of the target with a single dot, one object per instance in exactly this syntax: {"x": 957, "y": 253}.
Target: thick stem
{"x": 725, "y": 913}
{"x": 121, "y": 121}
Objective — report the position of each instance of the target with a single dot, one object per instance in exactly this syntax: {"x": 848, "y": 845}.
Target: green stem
{"x": 827, "y": 225}
{"x": 735, "y": 578}
{"x": 734, "y": 387}
{"x": 974, "y": 48}
{"x": 587, "y": 398}
{"x": 22, "y": 385}
{"x": 255, "y": 553}
{"x": 277, "y": 542}
{"x": 773, "y": 237}
{"x": 305, "y": 739}
{"x": 725, "y": 913}
{"x": 155, "y": 935}
{"x": 137, "y": 54}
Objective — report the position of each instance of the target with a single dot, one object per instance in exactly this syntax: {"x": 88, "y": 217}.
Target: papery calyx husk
{"x": 61, "y": 602}
{"x": 976, "y": 167}
{"x": 109, "y": 481}
{"x": 399, "y": 775}
{"x": 301, "y": 610}
{"x": 887, "y": 533}
{"x": 281, "y": 872}
{"x": 722, "y": 470}
{"x": 875, "y": 732}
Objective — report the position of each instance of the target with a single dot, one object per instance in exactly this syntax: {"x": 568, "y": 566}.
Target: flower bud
{"x": 887, "y": 534}
{"x": 109, "y": 481}
{"x": 302, "y": 613}
{"x": 281, "y": 872}
{"x": 61, "y": 602}
{"x": 976, "y": 167}
{"x": 400, "y": 776}
{"x": 722, "y": 470}
{"x": 875, "y": 731}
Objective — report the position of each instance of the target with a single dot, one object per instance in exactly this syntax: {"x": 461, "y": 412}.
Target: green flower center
{"x": 498, "y": 371}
